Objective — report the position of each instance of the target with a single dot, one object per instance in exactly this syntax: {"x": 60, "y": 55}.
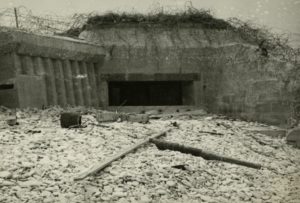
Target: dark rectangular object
{"x": 145, "y": 93}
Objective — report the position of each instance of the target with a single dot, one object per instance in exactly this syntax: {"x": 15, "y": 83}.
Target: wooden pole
{"x": 163, "y": 145}
{"x": 16, "y": 17}
{"x": 98, "y": 167}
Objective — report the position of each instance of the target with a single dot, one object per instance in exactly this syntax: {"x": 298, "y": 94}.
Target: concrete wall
{"x": 232, "y": 77}
{"x": 48, "y": 70}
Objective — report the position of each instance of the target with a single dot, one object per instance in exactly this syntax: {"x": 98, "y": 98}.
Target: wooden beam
{"x": 163, "y": 145}
{"x": 98, "y": 167}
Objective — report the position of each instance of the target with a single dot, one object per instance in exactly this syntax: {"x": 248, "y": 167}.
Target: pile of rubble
{"x": 39, "y": 161}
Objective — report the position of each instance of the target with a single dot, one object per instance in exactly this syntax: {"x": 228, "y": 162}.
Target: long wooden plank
{"x": 107, "y": 162}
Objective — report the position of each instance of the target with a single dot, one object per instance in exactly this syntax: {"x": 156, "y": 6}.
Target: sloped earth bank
{"x": 39, "y": 161}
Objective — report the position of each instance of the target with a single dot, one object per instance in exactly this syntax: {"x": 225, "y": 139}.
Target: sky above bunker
{"x": 277, "y": 15}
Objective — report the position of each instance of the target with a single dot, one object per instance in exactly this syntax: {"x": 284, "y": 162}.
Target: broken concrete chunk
{"x": 108, "y": 117}
{"x": 293, "y": 137}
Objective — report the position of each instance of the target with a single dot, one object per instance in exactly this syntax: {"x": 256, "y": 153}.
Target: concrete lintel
{"x": 49, "y": 46}
{"x": 151, "y": 77}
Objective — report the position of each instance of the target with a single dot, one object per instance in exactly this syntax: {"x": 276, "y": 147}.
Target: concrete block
{"x": 108, "y": 117}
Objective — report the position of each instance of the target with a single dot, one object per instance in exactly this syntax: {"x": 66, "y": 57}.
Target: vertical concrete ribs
{"x": 59, "y": 71}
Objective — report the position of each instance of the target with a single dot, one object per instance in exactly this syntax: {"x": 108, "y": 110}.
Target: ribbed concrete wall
{"x": 66, "y": 82}
{"x": 49, "y": 71}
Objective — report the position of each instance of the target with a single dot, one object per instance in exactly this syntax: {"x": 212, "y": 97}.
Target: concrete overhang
{"x": 24, "y": 43}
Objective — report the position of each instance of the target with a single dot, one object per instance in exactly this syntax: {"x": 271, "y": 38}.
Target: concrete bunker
{"x": 225, "y": 67}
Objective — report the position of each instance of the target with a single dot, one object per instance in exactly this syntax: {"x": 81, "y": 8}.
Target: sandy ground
{"x": 39, "y": 161}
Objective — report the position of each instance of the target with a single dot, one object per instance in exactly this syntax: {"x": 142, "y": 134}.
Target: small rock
{"x": 265, "y": 197}
{"x": 6, "y": 183}
{"x": 26, "y": 164}
{"x": 135, "y": 183}
{"x": 91, "y": 190}
{"x": 105, "y": 198}
{"x": 119, "y": 194}
{"x": 48, "y": 200}
{"x": 145, "y": 199}
{"x": 171, "y": 183}
{"x": 149, "y": 173}
{"x": 5, "y": 174}
{"x": 30, "y": 183}
{"x": 206, "y": 198}
{"x": 161, "y": 192}
{"x": 108, "y": 189}
{"x": 46, "y": 194}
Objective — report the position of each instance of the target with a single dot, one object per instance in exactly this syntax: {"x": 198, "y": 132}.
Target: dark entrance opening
{"x": 146, "y": 93}
{"x": 6, "y": 86}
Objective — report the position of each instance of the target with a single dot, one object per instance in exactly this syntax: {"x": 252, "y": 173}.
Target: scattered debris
{"x": 51, "y": 158}
{"x": 101, "y": 166}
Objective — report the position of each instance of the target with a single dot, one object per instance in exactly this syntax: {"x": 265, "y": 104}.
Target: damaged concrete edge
{"x": 49, "y": 46}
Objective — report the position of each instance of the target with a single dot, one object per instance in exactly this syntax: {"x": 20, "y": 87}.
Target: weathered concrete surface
{"x": 234, "y": 78}
{"x": 48, "y": 70}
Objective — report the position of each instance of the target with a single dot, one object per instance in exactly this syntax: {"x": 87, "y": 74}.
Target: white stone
{"x": 161, "y": 191}
{"x": 30, "y": 183}
{"x": 6, "y": 183}
{"x": 171, "y": 183}
{"x": 5, "y": 174}
{"x": 27, "y": 164}
{"x": 145, "y": 199}
{"x": 119, "y": 194}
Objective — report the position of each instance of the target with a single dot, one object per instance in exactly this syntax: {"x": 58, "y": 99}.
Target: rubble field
{"x": 39, "y": 161}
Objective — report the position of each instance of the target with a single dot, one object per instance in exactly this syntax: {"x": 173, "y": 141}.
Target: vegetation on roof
{"x": 193, "y": 16}
{"x": 266, "y": 41}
